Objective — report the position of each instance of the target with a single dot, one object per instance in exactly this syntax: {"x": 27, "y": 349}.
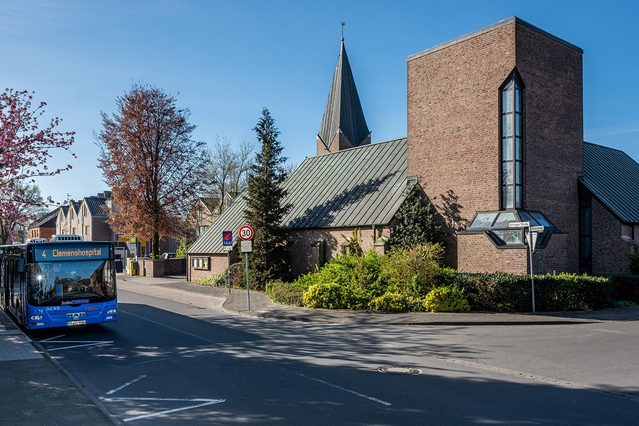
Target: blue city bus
{"x": 60, "y": 283}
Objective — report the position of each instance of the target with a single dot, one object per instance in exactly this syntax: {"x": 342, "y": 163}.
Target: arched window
{"x": 511, "y": 143}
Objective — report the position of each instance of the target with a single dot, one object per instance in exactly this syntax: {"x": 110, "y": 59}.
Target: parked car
{"x": 168, "y": 256}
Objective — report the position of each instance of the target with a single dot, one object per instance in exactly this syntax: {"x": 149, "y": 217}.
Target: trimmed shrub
{"x": 634, "y": 263}
{"x": 286, "y": 294}
{"x": 390, "y": 302}
{"x": 501, "y": 292}
{"x": 445, "y": 299}
{"x": 214, "y": 280}
{"x": 400, "y": 266}
{"x": 325, "y": 296}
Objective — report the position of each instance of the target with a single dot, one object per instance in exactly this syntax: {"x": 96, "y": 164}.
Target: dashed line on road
{"x": 169, "y": 327}
{"x": 379, "y": 401}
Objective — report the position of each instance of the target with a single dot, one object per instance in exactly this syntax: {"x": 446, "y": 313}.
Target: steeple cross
{"x": 343, "y": 23}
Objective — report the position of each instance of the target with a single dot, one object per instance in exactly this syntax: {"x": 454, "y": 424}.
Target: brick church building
{"x": 495, "y": 136}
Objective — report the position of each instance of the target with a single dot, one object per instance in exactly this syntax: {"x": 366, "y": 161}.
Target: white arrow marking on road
{"x": 145, "y": 416}
{"x": 79, "y": 346}
{"x": 51, "y": 338}
{"x": 125, "y": 385}
{"x": 346, "y": 390}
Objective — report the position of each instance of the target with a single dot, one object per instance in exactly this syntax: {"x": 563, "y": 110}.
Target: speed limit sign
{"x": 246, "y": 233}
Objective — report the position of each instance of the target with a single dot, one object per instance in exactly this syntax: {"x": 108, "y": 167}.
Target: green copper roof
{"x": 355, "y": 187}
{"x": 613, "y": 177}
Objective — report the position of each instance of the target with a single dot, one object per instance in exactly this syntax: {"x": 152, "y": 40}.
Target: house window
{"x": 511, "y": 144}
{"x": 200, "y": 262}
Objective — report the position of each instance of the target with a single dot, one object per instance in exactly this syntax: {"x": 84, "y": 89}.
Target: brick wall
{"x": 553, "y": 140}
{"x": 304, "y": 256}
{"x": 175, "y": 267}
{"x": 454, "y": 140}
{"x": 476, "y": 254}
{"x": 611, "y": 251}
{"x": 217, "y": 266}
{"x": 151, "y": 268}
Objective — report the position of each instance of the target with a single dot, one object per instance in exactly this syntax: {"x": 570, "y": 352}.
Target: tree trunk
{"x": 156, "y": 246}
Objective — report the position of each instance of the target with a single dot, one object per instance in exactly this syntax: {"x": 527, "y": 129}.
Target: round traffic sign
{"x": 246, "y": 233}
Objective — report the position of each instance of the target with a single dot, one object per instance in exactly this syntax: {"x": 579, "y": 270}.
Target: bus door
{"x": 20, "y": 285}
{"x": 4, "y": 288}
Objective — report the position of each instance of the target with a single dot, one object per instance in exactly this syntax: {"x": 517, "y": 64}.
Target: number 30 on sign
{"x": 246, "y": 233}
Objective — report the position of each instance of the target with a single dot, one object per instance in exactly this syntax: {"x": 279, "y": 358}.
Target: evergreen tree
{"x": 417, "y": 221}
{"x": 265, "y": 210}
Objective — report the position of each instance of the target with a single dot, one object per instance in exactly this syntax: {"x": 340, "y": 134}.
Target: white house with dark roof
{"x": 87, "y": 218}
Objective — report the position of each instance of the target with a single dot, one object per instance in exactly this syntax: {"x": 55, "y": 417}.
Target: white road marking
{"x": 79, "y": 346}
{"x": 346, "y": 390}
{"x": 51, "y": 338}
{"x": 169, "y": 327}
{"x": 125, "y": 385}
{"x": 146, "y": 416}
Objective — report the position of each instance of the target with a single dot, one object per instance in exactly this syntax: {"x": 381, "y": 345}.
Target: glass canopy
{"x": 496, "y": 226}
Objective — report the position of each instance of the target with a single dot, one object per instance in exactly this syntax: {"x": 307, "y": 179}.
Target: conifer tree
{"x": 417, "y": 221}
{"x": 265, "y": 208}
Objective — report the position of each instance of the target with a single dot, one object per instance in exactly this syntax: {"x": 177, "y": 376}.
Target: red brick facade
{"x": 611, "y": 250}
{"x": 454, "y": 138}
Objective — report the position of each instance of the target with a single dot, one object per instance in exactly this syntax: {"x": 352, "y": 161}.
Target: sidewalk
{"x": 261, "y": 307}
{"x": 34, "y": 390}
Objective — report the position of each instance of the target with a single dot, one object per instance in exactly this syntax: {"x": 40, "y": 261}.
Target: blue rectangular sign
{"x": 52, "y": 253}
{"x": 227, "y": 238}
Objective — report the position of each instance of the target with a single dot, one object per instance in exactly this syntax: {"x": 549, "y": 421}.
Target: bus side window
{"x": 20, "y": 265}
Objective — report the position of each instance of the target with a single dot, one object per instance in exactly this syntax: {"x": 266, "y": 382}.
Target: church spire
{"x": 343, "y": 125}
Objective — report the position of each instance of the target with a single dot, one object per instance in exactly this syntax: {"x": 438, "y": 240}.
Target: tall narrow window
{"x": 511, "y": 145}
{"x": 585, "y": 234}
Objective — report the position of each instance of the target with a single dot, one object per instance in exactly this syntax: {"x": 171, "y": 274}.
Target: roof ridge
{"x": 356, "y": 147}
{"x": 607, "y": 147}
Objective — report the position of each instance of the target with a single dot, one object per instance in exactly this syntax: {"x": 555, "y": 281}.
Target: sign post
{"x": 531, "y": 239}
{"x": 246, "y": 235}
{"x": 227, "y": 242}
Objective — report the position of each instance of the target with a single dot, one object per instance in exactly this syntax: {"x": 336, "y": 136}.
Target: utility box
{"x": 133, "y": 267}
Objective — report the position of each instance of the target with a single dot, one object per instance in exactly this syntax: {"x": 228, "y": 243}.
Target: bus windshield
{"x": 71, "y": 282}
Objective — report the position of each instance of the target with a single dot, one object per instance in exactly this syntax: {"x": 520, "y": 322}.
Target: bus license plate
{"x": 81, "y": 322}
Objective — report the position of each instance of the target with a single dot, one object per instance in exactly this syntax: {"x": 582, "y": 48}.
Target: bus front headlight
{"x": 36, "y": 317}
{"x": 112, "y": 311}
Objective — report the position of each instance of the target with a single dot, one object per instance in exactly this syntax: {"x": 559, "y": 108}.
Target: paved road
{"x": 185, "y": 360}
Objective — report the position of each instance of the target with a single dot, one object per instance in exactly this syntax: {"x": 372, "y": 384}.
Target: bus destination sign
{"x": 70, "y": 252}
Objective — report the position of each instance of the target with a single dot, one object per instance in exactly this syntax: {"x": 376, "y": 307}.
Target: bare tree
{"x": 227, "y": 170}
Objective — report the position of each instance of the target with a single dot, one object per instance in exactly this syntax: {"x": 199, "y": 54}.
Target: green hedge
{"x": 287, "y": 294}
{"x": 215, "y": 280}
{"x": 403, "y": 279}
{"x": 563, "y": 292}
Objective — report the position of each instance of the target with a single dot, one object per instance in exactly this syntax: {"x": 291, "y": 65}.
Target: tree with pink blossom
{"x": 25, "y": 148}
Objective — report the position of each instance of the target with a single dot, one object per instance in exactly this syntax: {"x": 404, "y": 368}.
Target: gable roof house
{"x": 87, "y": 218}
{"x": 495, "y": 130}
{"x": 44, "y": 226}
{"x": 201, "y": 215}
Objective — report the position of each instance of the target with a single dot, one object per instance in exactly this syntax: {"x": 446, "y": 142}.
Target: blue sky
{"x": 225, "y": 60}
